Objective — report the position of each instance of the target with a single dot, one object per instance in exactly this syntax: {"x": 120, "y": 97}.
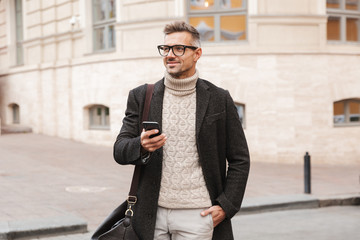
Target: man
{"x": 186, "y": 190}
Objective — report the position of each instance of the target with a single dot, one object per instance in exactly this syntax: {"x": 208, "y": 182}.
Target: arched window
{"x": 241, "y": 112}
{"x": 347, "y": 112}
{"x": 99, "y": 117}
{"x": 15, "y": 113}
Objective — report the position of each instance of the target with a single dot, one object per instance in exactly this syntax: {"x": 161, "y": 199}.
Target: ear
{"x": 197, "y": 55}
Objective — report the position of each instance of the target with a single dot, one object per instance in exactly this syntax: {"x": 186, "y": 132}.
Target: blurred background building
{"x": 292, "y": 67}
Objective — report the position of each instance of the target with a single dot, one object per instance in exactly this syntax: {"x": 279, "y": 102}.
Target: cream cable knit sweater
{"x": 182, "y": 182}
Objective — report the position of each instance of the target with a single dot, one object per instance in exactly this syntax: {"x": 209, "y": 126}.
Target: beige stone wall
{"x": 289, "y": 103}
{"x": 286, "y": 74}
{"x": 3, "y": 35}
{"x": 48, "y": 36}
{"x": 291, "y": 7}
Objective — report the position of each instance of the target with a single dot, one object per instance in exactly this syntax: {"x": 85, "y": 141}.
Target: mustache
{"x": 171, "y": 60}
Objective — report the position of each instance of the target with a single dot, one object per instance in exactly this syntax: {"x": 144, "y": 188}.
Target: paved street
{"x": 331, "y": 223}
{"x": 45, "y": 177}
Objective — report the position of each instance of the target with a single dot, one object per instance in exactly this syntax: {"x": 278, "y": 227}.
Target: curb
{"x": 347, "y": 200}
{"x": 292, "y": 202}
{"x": 64, "y": 224}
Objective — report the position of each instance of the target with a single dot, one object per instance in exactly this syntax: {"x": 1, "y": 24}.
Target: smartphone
{"x": 148, "y": 125}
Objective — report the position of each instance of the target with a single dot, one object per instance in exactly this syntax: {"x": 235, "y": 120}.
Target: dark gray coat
{"x": 219, "y": 137}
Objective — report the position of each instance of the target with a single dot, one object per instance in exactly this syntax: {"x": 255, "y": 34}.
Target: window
{"x": 15, "y": 112}
{"x": 104, "y": 17}
{"x": 99, "y": 117}
{"x": 347, "y": 112}
{"x": 343, "y": 20}
{"x": 241, "y": 112}
{"x": 219, "y": 20}
{"x": 19, "y": 32}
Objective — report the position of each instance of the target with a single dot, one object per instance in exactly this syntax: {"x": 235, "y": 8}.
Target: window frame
{"x": 103, "y": 123}
{"x": 15, "y": 113}
{"x": 346, "y": 114}
{"x": 19, "y": 26}
{"x": 217, "y": 12}
{"x": 106, "y": 23}
{"x": 344, "y": 14}
{"x": 243, "y": 117}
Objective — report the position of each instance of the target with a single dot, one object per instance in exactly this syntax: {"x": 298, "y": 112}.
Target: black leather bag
{"x": 118, "y": 224}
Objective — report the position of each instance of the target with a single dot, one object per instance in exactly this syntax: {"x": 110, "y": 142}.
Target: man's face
{"x": 181, "y": 66}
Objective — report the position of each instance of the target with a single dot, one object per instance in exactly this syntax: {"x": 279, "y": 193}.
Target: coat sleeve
{"x": 237, "y": 155}
{"x": 127, "y": 147}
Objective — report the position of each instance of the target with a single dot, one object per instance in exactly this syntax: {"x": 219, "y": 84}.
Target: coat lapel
{"x": 157, "y": 103}
{"x": 202, "y": 102}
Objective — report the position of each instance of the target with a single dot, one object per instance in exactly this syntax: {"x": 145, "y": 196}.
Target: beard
{"x": 178, "y": 73}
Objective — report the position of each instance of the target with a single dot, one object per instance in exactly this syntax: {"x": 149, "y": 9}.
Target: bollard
{"x": 307, "y": 173}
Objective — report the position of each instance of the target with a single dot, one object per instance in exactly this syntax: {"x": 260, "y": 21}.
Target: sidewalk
{"x": 44, "y": 179}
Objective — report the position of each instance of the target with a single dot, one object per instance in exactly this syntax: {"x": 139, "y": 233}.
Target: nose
{"x": 171, "y": 53}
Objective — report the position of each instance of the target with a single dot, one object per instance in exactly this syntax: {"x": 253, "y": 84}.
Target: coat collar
{"x": 202, "y": 101}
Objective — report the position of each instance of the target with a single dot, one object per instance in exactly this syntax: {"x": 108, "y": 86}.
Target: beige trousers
{"x": 182, "y": 224}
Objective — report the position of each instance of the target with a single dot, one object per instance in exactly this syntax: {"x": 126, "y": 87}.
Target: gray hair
{"x": 180, "y": 26}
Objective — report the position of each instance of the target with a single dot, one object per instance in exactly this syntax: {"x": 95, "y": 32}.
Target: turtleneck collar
{"x": 181, "y": 87}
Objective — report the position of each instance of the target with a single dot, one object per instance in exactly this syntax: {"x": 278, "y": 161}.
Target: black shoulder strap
{"x": 136, "y": 176}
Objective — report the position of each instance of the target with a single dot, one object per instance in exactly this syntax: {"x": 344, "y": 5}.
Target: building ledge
{"x": 15, "y": 128}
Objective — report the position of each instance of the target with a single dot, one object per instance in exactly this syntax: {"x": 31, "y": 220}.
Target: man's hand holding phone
{"x": 151, "y": 137}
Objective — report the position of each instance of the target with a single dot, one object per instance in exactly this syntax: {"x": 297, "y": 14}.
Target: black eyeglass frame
{"x": 171, "y": 49}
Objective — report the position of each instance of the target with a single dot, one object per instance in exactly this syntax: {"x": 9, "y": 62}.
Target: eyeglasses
{"x": 178, "y": 50}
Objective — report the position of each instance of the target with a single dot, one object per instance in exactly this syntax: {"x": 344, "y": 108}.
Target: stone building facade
{"x": 291, "y": 66}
